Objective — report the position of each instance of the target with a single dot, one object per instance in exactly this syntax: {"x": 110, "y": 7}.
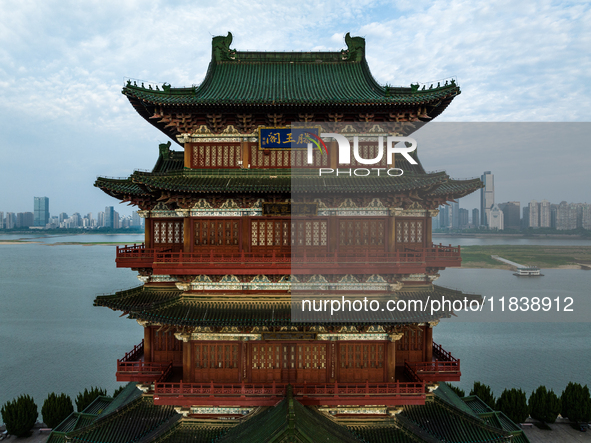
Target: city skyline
{"x": 41, "y": 218}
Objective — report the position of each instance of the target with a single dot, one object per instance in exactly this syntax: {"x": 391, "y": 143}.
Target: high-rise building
{"x": 534, "y": 214}
{"x": 525, "y": 218}
{"x": 544, "y": 214}
{"x": 24, "y": 219}
{"x": 10, "y": 220}
{"x": 109, "y": 221}
{"x": 444, "y": 217}
{"x": 511, "y": 214}
{"x": 1, "y": 220}
{"x": 586, "y": 216}
{"x": 487, "y": 196}
{"x": 41, "y": 211}
{"x": 454, "y": 217}
{"x": 463, "y": 215}
{"x": 496, "y": 218}
{"x": 476, "y": 217}
{"x": 136, "y": 220}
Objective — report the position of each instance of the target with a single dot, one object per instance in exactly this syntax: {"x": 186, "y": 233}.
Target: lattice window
{"x": 362, "y": 233}
{"x": 311, "y": 356}
{"x": 168, "y": 232}
{"x": 266, "y": 356}
{"x": 216, "y": 155}
{"x": 312, "y": 233}
{"x": 270, "y": 233}
{"x": 409, "y": 231}
{"x": 285, "y": 158}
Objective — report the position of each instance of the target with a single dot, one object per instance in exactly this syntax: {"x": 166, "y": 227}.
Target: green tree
{"x": 56, "y": 408}
{"x": 576, "y": 403}
{"x": 544, "y": 405}
{"x": 484, "y": 393}
{"x": 553, "y": 404}
{"x": 20, "y": 415}
{"x": 87, "y": 397}
{"x": 459, "y": 392}
{"x": 513, "y": 403}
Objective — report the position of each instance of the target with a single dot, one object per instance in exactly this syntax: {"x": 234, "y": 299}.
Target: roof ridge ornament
{"x": 220, "y": 48}
{"x": 355, "y": 51}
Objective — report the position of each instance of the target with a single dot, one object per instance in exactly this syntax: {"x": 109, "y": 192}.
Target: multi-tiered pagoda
{"x": 224, "y": 218}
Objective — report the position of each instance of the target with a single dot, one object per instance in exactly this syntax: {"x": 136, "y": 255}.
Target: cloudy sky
{"x": 63, "y": 119}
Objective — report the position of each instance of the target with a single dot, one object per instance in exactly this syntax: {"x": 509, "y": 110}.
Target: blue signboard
{"x": 286, "y": 137}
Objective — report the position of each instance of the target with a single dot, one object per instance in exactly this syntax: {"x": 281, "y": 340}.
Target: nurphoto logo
{"x": 394, "y": 145}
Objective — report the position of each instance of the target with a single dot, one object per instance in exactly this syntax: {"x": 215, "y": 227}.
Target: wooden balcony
{"x": 444, "y": 367}
{"x": 299, "y": 262}
{"x": 132, "y": 367}
{"x": 253, "y": 394}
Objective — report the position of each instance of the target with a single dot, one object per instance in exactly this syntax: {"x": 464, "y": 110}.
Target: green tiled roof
{"x": 173, "y": 307}
{"x": 477, "y": 405}
{"x": 126, "y": 396}
{"x": 136, "y": 298}
{"x": 289, "y": 421}
{"x": 192, "y": 432}
{"x": 383, "y": 434}
{"x": 445, "y": 393}
{"x": 449, "y": 424}
{"x": 496, "y": 419}
{"x": 135, "y": 421}
{"x": 98, "y": 405}
{"x": 289, "y": 78}
{"x": 265, "y": 181}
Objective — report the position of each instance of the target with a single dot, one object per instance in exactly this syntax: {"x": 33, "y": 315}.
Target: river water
{"x": 53, "y": 340}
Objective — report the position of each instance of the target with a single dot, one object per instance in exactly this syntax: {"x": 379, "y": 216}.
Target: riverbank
{"x": 547, "y": 257}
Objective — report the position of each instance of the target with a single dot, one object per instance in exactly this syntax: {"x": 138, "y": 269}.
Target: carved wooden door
{"x": 217, "y": 234}
{"x": 361, "y": 234}
{"x": 360, "y": 362}
{"x": 216, "y": 362}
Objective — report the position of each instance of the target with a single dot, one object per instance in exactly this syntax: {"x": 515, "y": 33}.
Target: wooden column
{"x": 187, "y": 359}
{"x": 428, "y": 227}
{"x": 188, "y": 154}
{"x": 147, "y": 344}
{"x": 391, "y": 361}
{"x": 148, "y": 232}
{"x": 187, "y": 234}
{"x": 428, "y": 342}
{"x": 333, "y": 230}
{"x": 392, "y": 234}
{"x": 245, "y": 154}
{"x": 333, "y": 154}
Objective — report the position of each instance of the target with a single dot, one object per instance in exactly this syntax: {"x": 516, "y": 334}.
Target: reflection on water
{"x": 53, "y": 339}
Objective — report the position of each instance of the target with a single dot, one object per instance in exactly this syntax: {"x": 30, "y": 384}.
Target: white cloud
{"x": 62, "y": 67}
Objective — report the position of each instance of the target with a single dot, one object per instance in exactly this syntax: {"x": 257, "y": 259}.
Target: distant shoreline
{"x": 526, "y": 236}
{"x": 473, "y": 257}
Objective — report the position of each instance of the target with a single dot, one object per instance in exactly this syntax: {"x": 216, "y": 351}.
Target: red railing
{"x": 141, "y": 367}
{"x": 442, "y": 355}
{"x": 134, "y": 354}
{"x": 445, "y": 367}
{"x": 280, "y": 389}
{"x": 299, "y": 259}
